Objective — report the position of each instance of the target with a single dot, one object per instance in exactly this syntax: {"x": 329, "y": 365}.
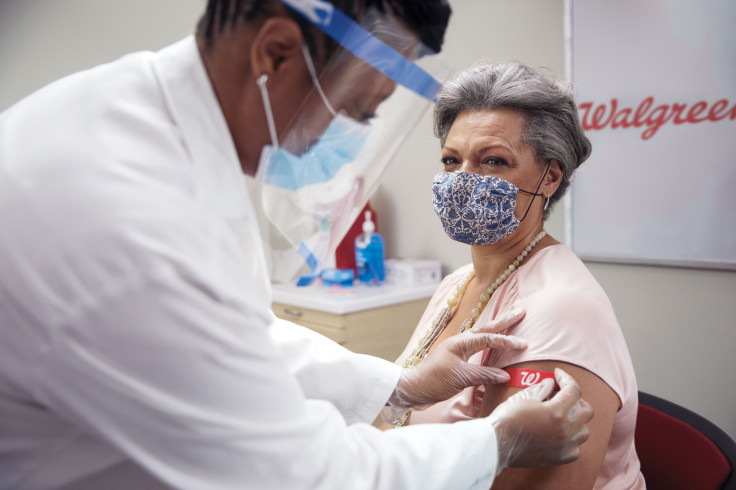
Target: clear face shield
{"x": 313, "y": 182}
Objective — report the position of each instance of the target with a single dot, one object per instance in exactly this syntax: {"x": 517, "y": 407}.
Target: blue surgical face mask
{"x": 477, "y": 209}
{"x": 339, "y": 145}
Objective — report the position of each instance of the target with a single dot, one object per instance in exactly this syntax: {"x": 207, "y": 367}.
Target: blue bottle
{"x": 369, "y": 253}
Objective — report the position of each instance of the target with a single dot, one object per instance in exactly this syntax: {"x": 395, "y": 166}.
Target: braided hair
{"x": 427, "y": 18}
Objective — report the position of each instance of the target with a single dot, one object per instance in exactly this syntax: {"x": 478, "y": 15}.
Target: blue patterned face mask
{"x": 475, "y": 209}
{"x": 478, "y": 209}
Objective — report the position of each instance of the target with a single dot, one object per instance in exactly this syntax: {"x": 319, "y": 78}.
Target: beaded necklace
{"x": 440, "y": 322}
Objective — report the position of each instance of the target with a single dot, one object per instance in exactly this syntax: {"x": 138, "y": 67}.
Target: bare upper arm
{"x": 583, "y": 472}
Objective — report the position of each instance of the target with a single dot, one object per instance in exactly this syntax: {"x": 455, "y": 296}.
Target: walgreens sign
{"x": 651, "y": 116}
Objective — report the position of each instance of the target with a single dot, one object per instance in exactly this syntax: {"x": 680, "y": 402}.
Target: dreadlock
{"x": 223, "y": 14}
{"x": 428, "y": 18}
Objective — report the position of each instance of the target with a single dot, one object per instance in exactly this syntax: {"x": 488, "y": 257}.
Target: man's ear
{"x": 276, "y": 47}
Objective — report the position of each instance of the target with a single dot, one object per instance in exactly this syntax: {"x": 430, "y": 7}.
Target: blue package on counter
{"x": 343, "y": 278}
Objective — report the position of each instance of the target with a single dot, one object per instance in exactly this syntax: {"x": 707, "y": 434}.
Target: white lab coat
{"x": 137, "y": 349}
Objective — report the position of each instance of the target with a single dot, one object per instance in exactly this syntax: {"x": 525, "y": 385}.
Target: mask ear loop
{"x": 534, "y": 194}
{"x": 261, "y": 81}
{"x": 315, "y": 81}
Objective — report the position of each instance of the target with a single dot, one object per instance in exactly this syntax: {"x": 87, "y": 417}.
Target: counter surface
{"x": 348, "y": 300}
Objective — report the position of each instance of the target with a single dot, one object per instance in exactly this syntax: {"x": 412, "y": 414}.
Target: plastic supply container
{"x": 413, "y": 272}
{"x": 369, "y": 254}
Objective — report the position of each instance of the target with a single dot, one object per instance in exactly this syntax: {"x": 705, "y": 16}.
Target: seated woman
{"x": 511, "y": 140}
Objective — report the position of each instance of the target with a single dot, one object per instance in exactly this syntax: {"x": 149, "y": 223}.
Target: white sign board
{"x": 656, "y": 88}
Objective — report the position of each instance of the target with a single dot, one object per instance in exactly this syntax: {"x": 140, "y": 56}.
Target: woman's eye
{"x": 449, "y": 161}
{"x": 495, "y": 162}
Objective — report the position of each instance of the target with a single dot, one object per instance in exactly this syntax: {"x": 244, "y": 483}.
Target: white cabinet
{"x": 367, "y": 319}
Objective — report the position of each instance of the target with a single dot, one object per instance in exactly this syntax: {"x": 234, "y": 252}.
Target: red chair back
{"x": 680, "y": 450}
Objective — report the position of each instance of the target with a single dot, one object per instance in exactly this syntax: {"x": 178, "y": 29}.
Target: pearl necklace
{"x": 485, "y": 296}
{"x": 439, "y": 323}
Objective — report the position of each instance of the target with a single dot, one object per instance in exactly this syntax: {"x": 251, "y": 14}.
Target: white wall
{"x": 42, "y": 40}
{"x": 679, "y": 323}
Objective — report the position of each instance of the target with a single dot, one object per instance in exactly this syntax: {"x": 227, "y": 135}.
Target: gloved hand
{"x": 532, "y": 432}
{"x": 445, "y": 371}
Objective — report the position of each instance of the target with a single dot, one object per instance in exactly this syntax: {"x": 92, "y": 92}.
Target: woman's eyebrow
{"x": 492, "y": 146}
{"x": 495, "y": 146}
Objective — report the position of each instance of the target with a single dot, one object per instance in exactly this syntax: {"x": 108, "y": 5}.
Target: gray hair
{"x": 553, "y": 126}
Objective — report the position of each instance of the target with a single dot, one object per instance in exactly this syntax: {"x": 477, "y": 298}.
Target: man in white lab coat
{"x": 137, "y": 348}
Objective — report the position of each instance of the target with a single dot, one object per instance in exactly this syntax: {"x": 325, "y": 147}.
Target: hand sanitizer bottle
{"x": 369, "y": 253}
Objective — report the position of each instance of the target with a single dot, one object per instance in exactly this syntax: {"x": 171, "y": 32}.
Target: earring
{"x": 546, "y": 204}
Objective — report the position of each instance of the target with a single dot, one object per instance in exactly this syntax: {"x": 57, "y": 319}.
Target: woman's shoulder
{"x": 557, "y": 271}
{"x": 569, "y": 318}
{"x": 554, "y": 255}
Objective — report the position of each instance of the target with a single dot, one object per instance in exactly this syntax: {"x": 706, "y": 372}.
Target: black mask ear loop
{"x": 549, "y": 162}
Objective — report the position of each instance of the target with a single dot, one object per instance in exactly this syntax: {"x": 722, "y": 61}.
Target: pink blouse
{"x": 568, "y": 318}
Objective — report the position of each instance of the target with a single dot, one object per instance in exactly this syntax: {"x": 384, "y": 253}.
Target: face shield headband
{"x": 366, "y": 100}
{"x": 367, "y": 47}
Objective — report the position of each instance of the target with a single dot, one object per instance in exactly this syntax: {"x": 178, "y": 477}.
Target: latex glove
{"x": 445, "y": 371}
{"x": 532, "y": 432}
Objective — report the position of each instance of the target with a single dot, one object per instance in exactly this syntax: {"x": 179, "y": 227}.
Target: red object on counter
{"x": 345, "y": 253}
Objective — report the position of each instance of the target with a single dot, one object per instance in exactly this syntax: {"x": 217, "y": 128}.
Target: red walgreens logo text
{"x": 522, "y": 377}
{"x": 609, "y": 115}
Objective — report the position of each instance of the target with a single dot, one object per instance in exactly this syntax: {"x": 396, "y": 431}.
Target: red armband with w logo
{"x": 523, "y": 377}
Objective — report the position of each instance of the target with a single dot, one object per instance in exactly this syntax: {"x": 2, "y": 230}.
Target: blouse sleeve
{"x": 568, "y": 318}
